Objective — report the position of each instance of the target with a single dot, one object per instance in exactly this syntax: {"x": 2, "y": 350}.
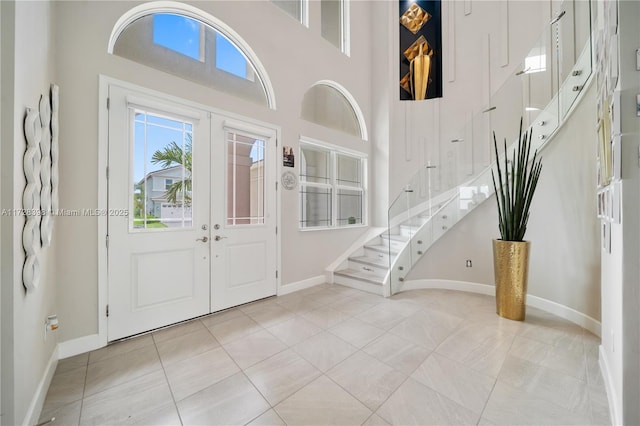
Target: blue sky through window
{"x": 182, "y": 35}
{"x": 178, "y": 33}
{"x": 229, "y": 58}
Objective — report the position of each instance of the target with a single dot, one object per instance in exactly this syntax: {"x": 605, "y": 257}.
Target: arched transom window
{"x": 330, "y": 105}
{"x": 184, "y": 41}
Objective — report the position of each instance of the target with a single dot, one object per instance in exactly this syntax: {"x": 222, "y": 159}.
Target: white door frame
{"x": 100, "y": 340}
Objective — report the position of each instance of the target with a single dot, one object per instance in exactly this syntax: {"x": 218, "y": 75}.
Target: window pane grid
{"x": 337, "y": 199}
{"x": 316, "y": 206}
{"x": 245, "y": 180}
{"x": 162, "y": 187}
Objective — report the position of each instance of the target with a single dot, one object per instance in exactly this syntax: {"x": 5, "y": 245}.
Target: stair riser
{"x": 359, "y": 285}
{"x": 408, "y": 231}
{"x": 395, "y": 245}
{"x": 369, "y": 269}
{"x": 382, "y": 257}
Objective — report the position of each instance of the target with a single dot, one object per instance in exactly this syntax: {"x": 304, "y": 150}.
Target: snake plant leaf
{"x": 515, "y": 185}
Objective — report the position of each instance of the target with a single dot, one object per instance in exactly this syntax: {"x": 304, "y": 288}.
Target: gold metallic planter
{"x": 511, "y": 268}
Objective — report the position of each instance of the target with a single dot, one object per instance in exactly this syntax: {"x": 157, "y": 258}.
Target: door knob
{"x": 218, "y": 237}
{"x": 203, "y": 239}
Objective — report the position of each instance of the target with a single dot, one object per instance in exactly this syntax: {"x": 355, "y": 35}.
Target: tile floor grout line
{"x": 166, "y": 378}
{"x": 565, "y": 338}
{"x": 84, "y": 388}
{"x": 495, "y": 382}
{"x": 358, "y": 399}
{"x": 246, "y": 377}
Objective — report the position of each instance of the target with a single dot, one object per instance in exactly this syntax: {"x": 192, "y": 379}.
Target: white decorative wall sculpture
{"x": 55, "y": 91}
{"x": 46, "y": 225}
{"x": 31, "y": 200}
{"x": 40, "y": 196}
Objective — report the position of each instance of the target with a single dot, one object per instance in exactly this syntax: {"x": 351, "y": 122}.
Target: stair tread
{"x": 359, "y": 275}
{"x": 410, "y": 226}
{"x": 382, "y": 248}
{"x": 395, "y": 237}
{"x": 370, "y": 261}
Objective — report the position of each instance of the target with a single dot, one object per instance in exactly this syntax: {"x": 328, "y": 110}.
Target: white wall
{"x": 473, "y": 68}
{"x": 6, "y": 121}
{"x": 294, "y": 56}
{"x": 25, "y": 352}
{"x": 621, "y": 269}
{"x": 563, "y": 228}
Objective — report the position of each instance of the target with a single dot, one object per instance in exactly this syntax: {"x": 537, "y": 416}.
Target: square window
{"x": 332, "y": 187}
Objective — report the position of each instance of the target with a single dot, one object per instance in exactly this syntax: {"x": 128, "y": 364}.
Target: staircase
{"x": 367, "y": 268}
{"x": 418, "y": 218}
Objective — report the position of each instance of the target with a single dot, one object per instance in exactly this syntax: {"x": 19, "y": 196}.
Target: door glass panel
{"x": 162, "y": 166}
{"x": 245, "y": 179}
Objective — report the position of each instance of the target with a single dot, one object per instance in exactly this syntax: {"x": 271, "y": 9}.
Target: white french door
{"x": 243, "y": 214}
{"x": 199, "y": 235}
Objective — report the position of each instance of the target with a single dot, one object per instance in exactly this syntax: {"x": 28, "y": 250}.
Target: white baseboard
{"x": 570, "y": 314}
{"x": 301, "y": 285}
{"x": 557, "y": 309}
{"x": 615, "y": 410}
{"x": 35, "y": 407}
{"x": 79, "y": 346}
{"x": 448, "y": 285}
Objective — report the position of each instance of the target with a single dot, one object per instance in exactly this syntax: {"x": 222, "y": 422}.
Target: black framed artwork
{"x": 420, "y": 25}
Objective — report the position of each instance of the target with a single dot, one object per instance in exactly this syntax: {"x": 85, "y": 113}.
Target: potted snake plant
{"x": 514, "y": 185}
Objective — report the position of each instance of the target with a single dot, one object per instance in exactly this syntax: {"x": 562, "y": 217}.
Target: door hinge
{"x": 107, "y": 240}
{"x": 276, "y": 185}
{"x": 107, "y": 311}
{"x": 276, "y": 230}
{"x": 108, "y": 103}
{"x": 107, "y": 172}
{"x": 276, "y": 274}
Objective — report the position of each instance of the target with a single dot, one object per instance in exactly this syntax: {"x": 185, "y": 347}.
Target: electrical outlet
{"x": 50, "y": 324}
{"x": 469, "y": 264}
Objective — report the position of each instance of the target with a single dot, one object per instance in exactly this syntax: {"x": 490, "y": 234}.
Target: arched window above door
{"x": 187, "y": 42}
{"x": 329, "y": 104}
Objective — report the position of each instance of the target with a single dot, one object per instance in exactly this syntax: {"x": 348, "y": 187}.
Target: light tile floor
{"x": 333, "y": 355}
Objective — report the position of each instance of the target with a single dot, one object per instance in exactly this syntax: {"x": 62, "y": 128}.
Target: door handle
{"x": 203, "y": 239}
{"x": 218, "y": 237}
